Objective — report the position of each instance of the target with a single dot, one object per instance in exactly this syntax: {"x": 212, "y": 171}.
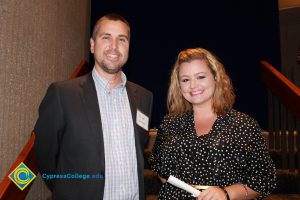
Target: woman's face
{"x": 197, "y": 82}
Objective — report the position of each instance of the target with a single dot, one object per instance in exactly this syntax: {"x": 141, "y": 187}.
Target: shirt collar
{"x": 103, "y": 83}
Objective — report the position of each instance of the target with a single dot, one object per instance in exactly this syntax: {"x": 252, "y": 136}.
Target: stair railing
{"x": 283, "y": 119}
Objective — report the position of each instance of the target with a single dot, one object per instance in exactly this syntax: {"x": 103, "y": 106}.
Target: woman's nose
{"x": 193, "y": 83}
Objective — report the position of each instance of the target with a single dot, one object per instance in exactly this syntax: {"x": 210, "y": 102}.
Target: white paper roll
{"x": 178, "y": 183}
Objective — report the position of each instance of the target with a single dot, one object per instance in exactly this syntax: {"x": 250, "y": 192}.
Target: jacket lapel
{"x": 131, "y": 92}
{"x": 133, "y": 101}
{"x": 90, "y": 102}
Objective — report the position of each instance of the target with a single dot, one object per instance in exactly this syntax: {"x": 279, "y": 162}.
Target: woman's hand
{"x": 162, "y": 179}
{"x": 212, "y": 193}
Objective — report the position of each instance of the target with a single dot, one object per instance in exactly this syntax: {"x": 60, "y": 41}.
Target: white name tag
{"x": 142, "y": 120}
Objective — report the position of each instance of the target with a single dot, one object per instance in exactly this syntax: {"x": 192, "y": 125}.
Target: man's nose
{"x": 114, "y": 44}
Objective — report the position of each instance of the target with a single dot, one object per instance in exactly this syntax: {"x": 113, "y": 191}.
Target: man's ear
{"x": 92, "y": 43}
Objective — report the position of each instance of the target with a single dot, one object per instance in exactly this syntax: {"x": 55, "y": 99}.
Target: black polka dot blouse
{"x": 234, "y": 151}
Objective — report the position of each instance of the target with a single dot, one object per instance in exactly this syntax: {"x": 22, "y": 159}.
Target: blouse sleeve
{"x": 261, "y": 172}
{"x": 159, "y": 154}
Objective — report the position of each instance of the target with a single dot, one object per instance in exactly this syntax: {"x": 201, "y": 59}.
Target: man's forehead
{"x": 113, "y": 27}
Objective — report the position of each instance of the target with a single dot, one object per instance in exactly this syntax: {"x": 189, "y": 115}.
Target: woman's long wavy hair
{"x": 223, "y": 97}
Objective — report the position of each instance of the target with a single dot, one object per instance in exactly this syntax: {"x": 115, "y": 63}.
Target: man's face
{"x": 110, "y": 46}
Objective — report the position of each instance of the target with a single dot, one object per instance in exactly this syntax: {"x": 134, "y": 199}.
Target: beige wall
{"x": 41, "y": 41}
{"x": 289, "y": 19}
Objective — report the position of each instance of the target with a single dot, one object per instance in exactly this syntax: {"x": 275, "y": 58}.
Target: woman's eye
{"x": 185, "y": 80}
{"x": 200, "y": 77}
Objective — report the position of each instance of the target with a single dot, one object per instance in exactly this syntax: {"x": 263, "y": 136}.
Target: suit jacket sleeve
{"x": 48, "y": 130}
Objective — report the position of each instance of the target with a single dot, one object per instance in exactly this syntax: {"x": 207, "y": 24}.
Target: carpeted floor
{"x": 283, "y": 197}
{"x": 270, "y": 197}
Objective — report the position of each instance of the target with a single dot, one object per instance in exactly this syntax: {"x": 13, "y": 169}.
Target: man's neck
{"x": 113, "y": 79}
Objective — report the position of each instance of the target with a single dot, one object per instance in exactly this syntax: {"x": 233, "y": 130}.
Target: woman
{"x": 204, "y": 142}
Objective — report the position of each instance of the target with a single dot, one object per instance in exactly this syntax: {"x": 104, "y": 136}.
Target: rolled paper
{"x": 180, "y": 184}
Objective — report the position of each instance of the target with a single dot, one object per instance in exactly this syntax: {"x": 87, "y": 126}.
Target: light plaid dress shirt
{"x": 121, "y": 178}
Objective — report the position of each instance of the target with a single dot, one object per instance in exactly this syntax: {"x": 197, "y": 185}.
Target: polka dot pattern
{"x": 234, "y": 151}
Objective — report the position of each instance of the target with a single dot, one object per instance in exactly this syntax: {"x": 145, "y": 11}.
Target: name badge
{"x": 142, "y": 120}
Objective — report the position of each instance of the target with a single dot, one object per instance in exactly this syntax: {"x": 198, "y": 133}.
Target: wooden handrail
{"x": 81, "y": 69}
{"x": 8, "y": 190}
{"x": 282, "y": 87}
{"x": 7, "y": 187}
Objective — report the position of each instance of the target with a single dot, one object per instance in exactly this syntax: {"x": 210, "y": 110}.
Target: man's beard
{"x": 109, "y": 70}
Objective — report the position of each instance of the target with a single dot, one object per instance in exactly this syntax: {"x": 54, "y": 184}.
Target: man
{"x": 96, "y": 125}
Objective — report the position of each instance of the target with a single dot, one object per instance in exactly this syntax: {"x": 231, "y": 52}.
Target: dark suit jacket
{"x": 69, "y": 137}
